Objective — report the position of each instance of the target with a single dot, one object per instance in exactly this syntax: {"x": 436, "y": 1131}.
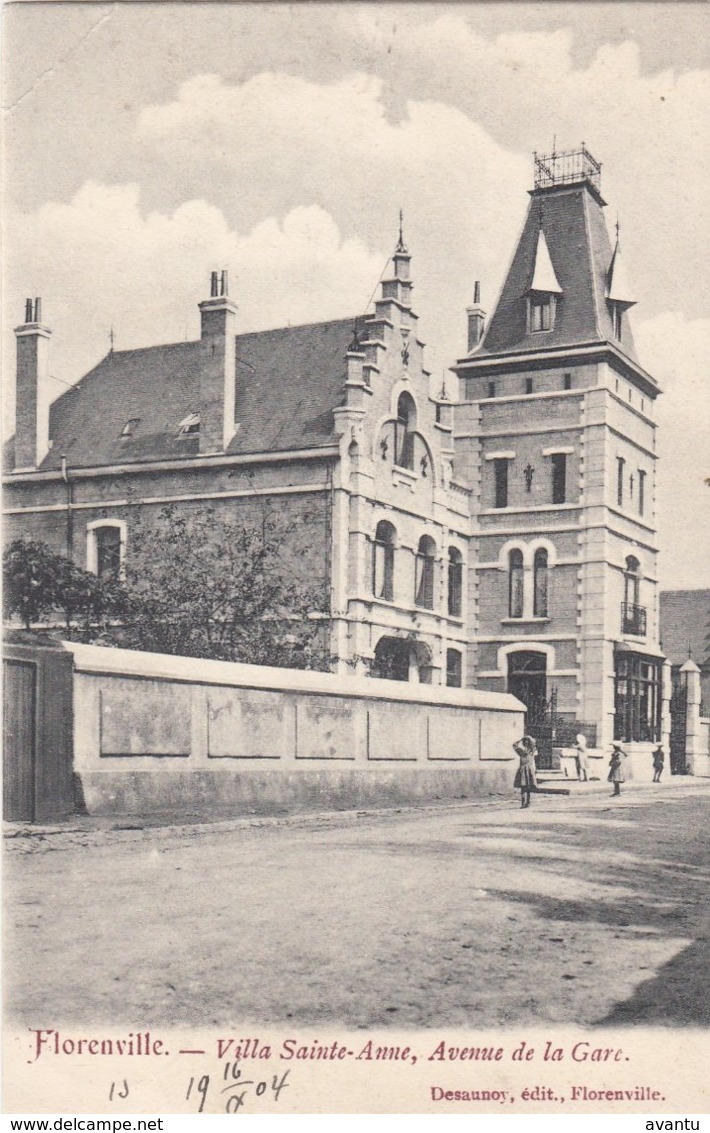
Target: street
{"x": 581, "y": 910}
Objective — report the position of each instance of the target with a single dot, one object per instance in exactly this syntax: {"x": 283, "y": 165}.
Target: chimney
{"x": 217, "y": 366}
{"x": 32, "y": 398}
{"x": 476, "y": 319}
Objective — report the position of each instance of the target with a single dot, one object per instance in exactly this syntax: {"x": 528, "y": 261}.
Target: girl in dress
{"x": 616, "y": 771}
{"x": 525, "y": 777}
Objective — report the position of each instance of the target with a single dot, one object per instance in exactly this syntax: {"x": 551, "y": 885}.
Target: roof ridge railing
{"x": 567, "y": 167}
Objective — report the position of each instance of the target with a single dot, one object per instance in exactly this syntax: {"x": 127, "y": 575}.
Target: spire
{"x": 401, "y": 246}
{"x": 618, "y": 289}
{"x": 544, "y": 278}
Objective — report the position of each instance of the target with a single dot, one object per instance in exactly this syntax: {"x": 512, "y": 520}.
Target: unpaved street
{"x": 580, "y": 910}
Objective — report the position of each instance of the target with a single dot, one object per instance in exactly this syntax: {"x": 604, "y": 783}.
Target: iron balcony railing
{"x": 633, "y": 619}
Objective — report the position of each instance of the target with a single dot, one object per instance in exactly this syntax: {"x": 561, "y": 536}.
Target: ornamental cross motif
{"x": 528, "y": 473}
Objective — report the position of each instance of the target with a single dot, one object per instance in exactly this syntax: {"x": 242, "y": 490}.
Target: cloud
{"x": 99, "y": 262}
{"x": 677, "y": 352}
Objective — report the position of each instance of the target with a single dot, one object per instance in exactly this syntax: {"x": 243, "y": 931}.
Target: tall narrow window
{"x": 559, "y": 477}
{"x": 542, "y": 313}
{"x": 616, "y": 318}
{"x": 567, "y": 381}
{"x": 424, "y": 573}
{"x": 455, "y": 582}
{"x": 528, "y": 385}
{"x": 620, "y": 464}
{"x": 404, "y": 431}
{"x": 491, "y": 389}
{"x": 515, "y": 584}
{"x": 383, "y": 561}
{"x": 642, "y": 490}
{"x": 453, "y": 668}
{"x": 632, "y": 581}
{"x": 500, "y": 470}
{"x": 104, "y": 549}
{"x": 540, "y": 587}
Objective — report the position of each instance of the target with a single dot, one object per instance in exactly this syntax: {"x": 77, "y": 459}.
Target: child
{"x": 525, "y": 777}
{"x": 616, "y": 773}
{"x": 658, "y": 761}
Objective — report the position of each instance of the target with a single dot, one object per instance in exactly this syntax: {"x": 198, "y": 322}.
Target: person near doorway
{"x": 616, "y": 770}
{"x": 525, "y": 777}
{"x": 658, "y": 762}
{"x": 581, "y": 758}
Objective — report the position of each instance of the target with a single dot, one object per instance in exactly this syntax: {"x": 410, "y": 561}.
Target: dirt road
{"x": 581, "y": 910}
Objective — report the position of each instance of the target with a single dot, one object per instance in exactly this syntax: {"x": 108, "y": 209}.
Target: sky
{"x": 147, "y": 144}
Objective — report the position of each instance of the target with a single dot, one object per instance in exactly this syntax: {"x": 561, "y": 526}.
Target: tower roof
{"x": 564, "y": 250}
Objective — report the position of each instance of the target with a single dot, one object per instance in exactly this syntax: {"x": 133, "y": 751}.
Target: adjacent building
{"x": 504, "y": 538}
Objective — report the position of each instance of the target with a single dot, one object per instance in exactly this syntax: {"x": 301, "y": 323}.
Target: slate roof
{"x": 581, "y": 256}
{"x": 685, "y": 623}
{"x": 288, "y": 381}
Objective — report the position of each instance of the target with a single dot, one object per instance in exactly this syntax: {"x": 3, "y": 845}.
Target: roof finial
{"x": 618, "y": 226}
{"x": 111, "y": 338}
{"x": 401, "y": 246}
{"x": 443, "y": 395}
{"x": 354, "y": 347}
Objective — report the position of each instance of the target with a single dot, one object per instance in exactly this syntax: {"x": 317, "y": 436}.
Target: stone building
{"x": 555, "y": 434}
{"x": 503, "y": 539}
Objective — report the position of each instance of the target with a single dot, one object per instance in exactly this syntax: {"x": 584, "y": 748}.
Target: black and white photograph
{"x": 356, "y": 558}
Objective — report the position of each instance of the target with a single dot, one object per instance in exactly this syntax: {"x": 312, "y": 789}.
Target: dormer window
{"x": 617, "y": 312}
{"x": 543, "y": 289}
{"x": 130, "y": 427}
{"x": 189, "y": 426}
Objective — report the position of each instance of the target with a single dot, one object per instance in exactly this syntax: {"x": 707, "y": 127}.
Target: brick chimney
{"x": 32, "y": 398}
{"x": 217, "y": 368}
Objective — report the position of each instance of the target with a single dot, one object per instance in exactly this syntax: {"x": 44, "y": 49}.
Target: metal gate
{"x": 19, "y": 740}
{"x": 678, "y": 707}
{"x": 540, "y": 720}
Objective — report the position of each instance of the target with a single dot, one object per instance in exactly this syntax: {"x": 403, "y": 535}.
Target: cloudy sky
{"x": 150, "y": 143}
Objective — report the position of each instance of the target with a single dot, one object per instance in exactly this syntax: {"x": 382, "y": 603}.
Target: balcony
{"x": 633, "y": 619}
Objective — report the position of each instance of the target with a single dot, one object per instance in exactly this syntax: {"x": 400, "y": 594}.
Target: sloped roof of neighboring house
{"x": 685, "y": 625}
{"x": 576, "y": 241}
{"x": 288, "y": 381}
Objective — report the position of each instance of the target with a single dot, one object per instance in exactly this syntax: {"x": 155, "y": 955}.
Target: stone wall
{"x": 178, "y": 736}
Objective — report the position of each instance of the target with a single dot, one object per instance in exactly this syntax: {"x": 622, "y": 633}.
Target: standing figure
{"x": 582, "y": 759}
{"x": 525, "y": 777}
{"x": 616, "y": 771}
{"x": 658, "y": 761}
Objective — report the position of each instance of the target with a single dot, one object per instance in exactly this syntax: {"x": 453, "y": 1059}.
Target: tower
{"x": 556, "y": 433}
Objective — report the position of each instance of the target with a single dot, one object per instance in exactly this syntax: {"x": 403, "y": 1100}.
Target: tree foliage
{"x": 205, "y": 589}
{"x": 40, "y": 586}
{"x": 192, "y": 586}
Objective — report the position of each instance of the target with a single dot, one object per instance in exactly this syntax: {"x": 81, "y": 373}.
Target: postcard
{"x": 356, "y": 535}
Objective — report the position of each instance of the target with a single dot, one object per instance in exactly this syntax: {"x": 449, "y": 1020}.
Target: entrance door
{"x": 19, "y": 696}
{"x": 527, "y": 679}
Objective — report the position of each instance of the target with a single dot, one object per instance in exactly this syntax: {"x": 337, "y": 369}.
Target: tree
{"x": 39, "y": 584}
{"x": 205, "y": 588}
{"x": 31, "y": 574}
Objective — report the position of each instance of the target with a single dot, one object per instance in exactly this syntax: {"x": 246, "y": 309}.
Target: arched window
{"x": 515, "y": 584}
{"x": 404, "y": 431}
{"x": 424, "y": 574}
{"x": 632, "y": 576}
{"x": 455, "y": 580}
{"x": 540, "y": 573}
{"x": 105, "y": 548}
{"x": 633, "y": 615}
{"x": 383, "y": 561}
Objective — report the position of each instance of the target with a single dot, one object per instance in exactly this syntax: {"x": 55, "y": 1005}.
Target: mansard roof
{"x": 570, "y": 219}
{"x": 288, "y": 381}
